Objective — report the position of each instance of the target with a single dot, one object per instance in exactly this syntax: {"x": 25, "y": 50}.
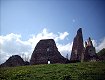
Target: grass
{"x": 72, "y": 71}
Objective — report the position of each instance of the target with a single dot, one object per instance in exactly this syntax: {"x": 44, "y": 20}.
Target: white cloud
{"x": 12, "y": 44}
{"x": 62, "y": 35}
{"x": 94, "y": 43}
{"x": 99, "y": 45}
{"x": 43, "y": 35}
{"x": 65, "y": 49}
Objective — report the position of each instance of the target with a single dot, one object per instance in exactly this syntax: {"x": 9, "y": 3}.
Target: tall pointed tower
{"x": 78, "y": 48}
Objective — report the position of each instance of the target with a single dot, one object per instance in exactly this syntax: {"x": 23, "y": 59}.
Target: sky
{"x": 24, "y": 22}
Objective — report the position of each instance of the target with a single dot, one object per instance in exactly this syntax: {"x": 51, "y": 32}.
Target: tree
{"x": 25, "y": 57}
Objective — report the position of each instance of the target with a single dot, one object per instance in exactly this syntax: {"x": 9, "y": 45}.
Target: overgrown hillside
{"x": 101, "y": 54}
{"x": 72, "y": 71}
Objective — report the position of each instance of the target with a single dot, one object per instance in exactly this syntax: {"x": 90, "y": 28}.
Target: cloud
{"x": 65, "y": 49}
{"x": 62, "y": 36}
{"x": 99, "y": 45}
{"x": 48, "y": 35}
{"x": 12, "y": 44}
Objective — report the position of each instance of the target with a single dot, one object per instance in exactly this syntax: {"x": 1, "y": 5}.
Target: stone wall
{"x": 45, "y": 51}
{"x": 13, "y": 61}
{"x": 90, "y": 52}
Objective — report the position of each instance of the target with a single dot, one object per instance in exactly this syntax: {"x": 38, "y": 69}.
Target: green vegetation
{"x": 72, "y": 71}
{"x": 101, "y": 52}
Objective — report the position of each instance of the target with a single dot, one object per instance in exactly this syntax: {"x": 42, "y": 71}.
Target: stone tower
{"x": 46, "y": 52}
{"x": 77, "y": 52}
{"x": 90, "y": 52}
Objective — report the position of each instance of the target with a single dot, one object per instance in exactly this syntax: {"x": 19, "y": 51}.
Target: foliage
{"x": 101, "y": 52}
{"x": 72, "y": 71}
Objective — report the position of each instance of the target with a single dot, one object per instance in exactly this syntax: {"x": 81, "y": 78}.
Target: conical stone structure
{"x": 14, "y": 60}
{"x": 46, "y": 52}
{"x": 77, "y": 52}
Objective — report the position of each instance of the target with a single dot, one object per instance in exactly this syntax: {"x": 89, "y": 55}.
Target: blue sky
{"x": 32, "y": 17}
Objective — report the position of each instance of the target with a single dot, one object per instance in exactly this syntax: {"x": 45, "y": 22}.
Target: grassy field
{"x": 72, "y": 71}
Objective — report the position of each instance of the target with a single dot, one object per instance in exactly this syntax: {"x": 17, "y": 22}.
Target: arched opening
{"x": 48, "y": 62}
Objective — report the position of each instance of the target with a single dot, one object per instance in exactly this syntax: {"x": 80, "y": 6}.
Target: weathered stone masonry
{"x": 45, "y": 51}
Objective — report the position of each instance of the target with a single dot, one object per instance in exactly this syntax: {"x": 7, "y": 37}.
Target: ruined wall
{"x": 45, "y": 51}
{"x": 14, "y": 60}
{"x": 90, "y": 52}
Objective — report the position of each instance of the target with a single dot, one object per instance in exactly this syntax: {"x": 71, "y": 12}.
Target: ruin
{"x": 81, "y": 53}
{"x": 77, "y": 52}
{"x": 90, "y": 52}
{"x": 14, "y": 60}
{"x": 46, "y": 52}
